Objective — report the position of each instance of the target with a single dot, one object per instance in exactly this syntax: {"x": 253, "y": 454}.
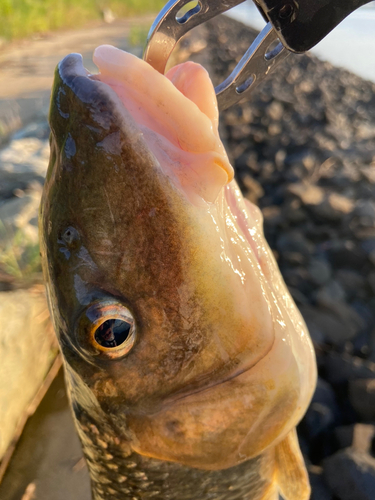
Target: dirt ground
{"x": 48, "y": 462}
{"x": 27, "y": 66}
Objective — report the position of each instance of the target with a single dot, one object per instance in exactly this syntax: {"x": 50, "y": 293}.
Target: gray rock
{"x": 358, "y": 436}
{"x": 271, "y": 215}
{"x": 23, "y": 161}
{"x": 307, "y": 193}
{"x": 371, "y": 281}
{"x": 340, "y": 368}
{"x": 253, "y": 190}
{"x": 331, "y": 293}
{"x": 350, "y": 475}
{"x": 362, "y": 398}
{"x": 347, "y": 254}
{"x": 319, "y": 488}
{"x": 319, "y": 271}
{"x": 336, "y": 321}
{"x": 38, "y": 129}
{"x": 334, "y": 207}
{"x": 365, "y": 211}
{"x": 294, "y": 243}
{"x": 351, "y": 281}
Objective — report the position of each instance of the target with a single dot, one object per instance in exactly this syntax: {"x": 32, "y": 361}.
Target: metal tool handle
{"x": 301, "y": 24}
{"x": 168, "y": 28}
{"x": 259, "y": 60}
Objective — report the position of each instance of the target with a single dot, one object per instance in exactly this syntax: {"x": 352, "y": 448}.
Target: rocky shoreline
{"x": 303, "y": 147}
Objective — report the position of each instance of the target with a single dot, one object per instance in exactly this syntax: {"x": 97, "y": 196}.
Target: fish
{"x": 188, "y": 365}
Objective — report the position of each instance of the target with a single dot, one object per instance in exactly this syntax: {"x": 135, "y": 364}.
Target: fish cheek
{"x": 222, "y": 426}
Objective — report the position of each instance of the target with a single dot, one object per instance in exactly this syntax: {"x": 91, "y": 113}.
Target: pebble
{"x": 336, "y": 321}
{"x": 308, "y": 194}
{"x": 23, "y": 161}
{"x": 320, "y": 271}
{"x": 339, "y": 368}
{"x": 350, "y": 475}
{"x": 351, "y": 282}
{"x": 357, "y": 436}
{"x": 362, "y": 398}
{"x": 319, "y": 488}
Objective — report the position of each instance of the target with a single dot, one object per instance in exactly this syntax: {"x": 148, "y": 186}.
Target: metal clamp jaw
{"x": 301, "y": 24}
{"x": 292, "y": 25}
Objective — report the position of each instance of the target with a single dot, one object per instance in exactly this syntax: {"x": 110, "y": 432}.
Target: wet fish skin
{"x": 115, "y": 231}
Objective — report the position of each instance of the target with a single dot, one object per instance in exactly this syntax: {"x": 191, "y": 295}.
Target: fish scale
{"x": 141, "y": 477}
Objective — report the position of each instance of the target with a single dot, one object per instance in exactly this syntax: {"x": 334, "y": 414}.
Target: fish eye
{"x": 106, "y": 329}
{"x": 113, "y": 332}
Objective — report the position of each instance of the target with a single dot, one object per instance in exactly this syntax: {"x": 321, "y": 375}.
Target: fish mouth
{"x": 178, "y": 122}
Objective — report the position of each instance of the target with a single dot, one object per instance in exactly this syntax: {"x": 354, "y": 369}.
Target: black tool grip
{"x": 301, "y": 24}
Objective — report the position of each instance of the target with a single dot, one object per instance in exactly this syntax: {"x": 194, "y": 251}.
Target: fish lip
{"x": 186, "y": 393}
{"x": 85, "y": 86}
{"x": 75, "y": 76}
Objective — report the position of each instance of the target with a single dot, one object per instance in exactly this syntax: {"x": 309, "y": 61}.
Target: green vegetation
{"x": 19, "y": 254}
{"x": 20, "y": 18}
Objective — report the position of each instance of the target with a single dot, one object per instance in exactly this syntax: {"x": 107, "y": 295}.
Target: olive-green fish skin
{"x": 118, "y": 476}
{"x": 114, "y": 229}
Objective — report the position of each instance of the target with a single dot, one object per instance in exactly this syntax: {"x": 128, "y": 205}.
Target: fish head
{"x": 172, "y": 317}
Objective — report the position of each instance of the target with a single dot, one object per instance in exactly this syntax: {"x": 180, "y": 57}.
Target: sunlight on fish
{"x": 187, "y": 362}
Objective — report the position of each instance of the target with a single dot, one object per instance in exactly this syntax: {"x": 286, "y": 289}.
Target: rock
{"x": 369, "y": 173}
{"x": 322, "y": 411}
{"x": 358, "y": 436}
{"x": 365, "y": 211}
{"x": 352, "y": 282}
{"x": 275, "y": 110}
{"x": 333, "y": 207}
{"x": 23, "y": 161}
{"x": 350, "y": 475}
{"x": 371, "y": 281}
{"x": 294, "y": 212}
{"x": 271, "y": 215}
{"x": 332, "y": 292}
{"x": 253, "y": 189}
{"x": 298, "y": 296}
{"x": 336, "y": 321}
{"x": 340, "y": 204}
{"x": 362, "y": 398}
{"x": 318, "y": 419}
{"x": 307, "y": 193}
{"x": 319, "y": 488}
{"x": 347, "y": 255}
{"x": 27, "y": 348}
{"x": 340, "y": 368}
{"x": 294, "y": 247}
{"x": 319, "y": 271}
{"x": 330, "y": 206}
{"x": 36, "y": 129}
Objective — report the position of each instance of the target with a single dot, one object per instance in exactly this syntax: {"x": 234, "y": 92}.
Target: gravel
{"x": 306, "y": 139}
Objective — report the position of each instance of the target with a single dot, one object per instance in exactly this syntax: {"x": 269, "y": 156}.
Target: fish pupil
{"x": 112, "y": 332}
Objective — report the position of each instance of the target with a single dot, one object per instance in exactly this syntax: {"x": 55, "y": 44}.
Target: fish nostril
{"x": 113, "y": 333}
{"x": 70, "y": 236}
